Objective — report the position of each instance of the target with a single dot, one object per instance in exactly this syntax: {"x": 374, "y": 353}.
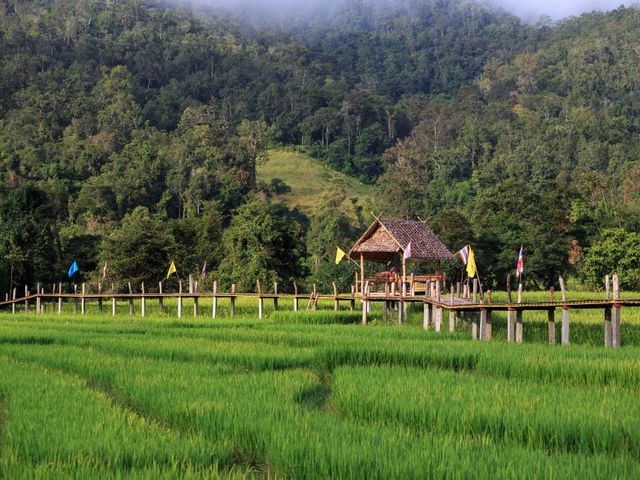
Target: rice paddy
{"x": 308, "y": 395}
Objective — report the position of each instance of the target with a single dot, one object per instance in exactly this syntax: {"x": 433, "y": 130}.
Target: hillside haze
{"x": 142, "y": 130}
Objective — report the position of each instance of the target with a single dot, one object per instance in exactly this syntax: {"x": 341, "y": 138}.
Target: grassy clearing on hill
{"x": 308, "y": 179}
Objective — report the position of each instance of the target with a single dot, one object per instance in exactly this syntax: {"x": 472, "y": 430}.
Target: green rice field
{"x": 311, "y": 395}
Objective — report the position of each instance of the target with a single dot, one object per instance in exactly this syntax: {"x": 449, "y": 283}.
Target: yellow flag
{"x": 172, "y": 269}
{"x": 471, "y": 264}
{"x": 339, "y": 255}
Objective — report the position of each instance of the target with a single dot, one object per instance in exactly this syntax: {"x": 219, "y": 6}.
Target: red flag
{"x": 520, "y": 266}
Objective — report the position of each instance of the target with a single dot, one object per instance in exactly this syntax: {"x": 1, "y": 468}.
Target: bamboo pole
{"x": 195, "y": 299}
{"x": 13, "y": 305}
{"x": 336, "y": 302}
{"x": 295, "y": 295}
{"x": 179, "y": 299}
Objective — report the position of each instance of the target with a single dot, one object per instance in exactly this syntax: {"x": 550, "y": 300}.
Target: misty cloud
{"x": 529, "y": 10}
{"x": 532, "y": 9}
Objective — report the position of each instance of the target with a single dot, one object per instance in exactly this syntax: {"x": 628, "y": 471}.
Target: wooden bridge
{"x": 467, "y": 307}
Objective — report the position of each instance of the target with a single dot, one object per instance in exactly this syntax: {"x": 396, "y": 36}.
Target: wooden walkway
{"x": 458, "y": 309}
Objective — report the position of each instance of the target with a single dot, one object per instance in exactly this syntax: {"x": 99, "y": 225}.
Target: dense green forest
{"x": 130, "y": 132}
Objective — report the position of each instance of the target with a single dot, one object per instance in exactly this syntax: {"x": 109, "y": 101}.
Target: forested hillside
{"x": 130, "y": 132}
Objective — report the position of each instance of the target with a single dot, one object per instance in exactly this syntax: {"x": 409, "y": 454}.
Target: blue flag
{"x": 73, "y": 269}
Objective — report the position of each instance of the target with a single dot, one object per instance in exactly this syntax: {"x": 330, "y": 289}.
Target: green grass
{"x": 308, "y": 179}
{"x": 285, "y": 397}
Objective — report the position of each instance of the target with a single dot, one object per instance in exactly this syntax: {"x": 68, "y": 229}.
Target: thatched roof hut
{"x": 385, "y": 239}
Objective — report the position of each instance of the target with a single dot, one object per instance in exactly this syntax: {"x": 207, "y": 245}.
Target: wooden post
{"x": 190, "y": 283}
{"x": 606, "y": 288}
{"x": 59, "y": 297}
{"x": 607, "y": 327}
{"x": 26, "y": 302}
{"x": 483, "y": 324}
{"x": 315, "y": 294}
{"x": 426, "y": 318}
{"x": 275, "y": 299}
{"x": 113, "y": 300}
{"x": 160, "y": 299}
{"x": 458, "y": 289}
{"x": 214, "y": 300}
{"x": 260, "y": 299}
{"x": 489, "y": 326}
{"x": 13, "y": 305}
{"x": 38, "y": 302}
{"x": 474, "y": 325}
{"x": 511, "y": 325}
{"x": 352, "y": 302}
{"x": 412, "y": 283}
{"x": 143, "y": 301}
{"x": 452, "y": 320}
{"x": 519, "y": 292}
{"x": 565, "y": 314}
{"x": 437, "y": 321}
{"x": 232, "y": 301}
{"x": 565, "y": 325}
{"x": 195, "y": 300}
{"x": 519, "y": 327}
{"x": 615, "y": 313}
{"x": 475, "y": 290}
{"x": 179, "y": 298}
{"x": 336, "y": 302}
{"x": 130, "y": 299}
{"x": 364, "y": 303}
{"x": 83, "y": 304}
{"x": 551, "y": 325}
{"x": 295, "y": 295}
{"x": 362, "y": 274}
{"x": 100, "y": 297}
{"x": 75, "y": 299}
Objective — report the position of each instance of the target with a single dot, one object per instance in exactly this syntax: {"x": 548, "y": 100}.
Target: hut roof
{"x": 386, "y": 238}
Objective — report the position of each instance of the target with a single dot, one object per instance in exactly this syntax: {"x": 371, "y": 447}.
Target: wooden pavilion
{"x": 386, "y": 240}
